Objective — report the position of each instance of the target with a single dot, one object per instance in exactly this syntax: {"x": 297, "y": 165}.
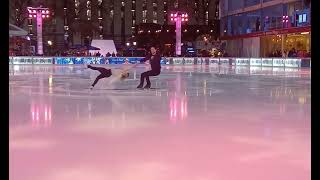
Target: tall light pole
{"x": 178, "y": 17}
{"x": 39, "y": 13}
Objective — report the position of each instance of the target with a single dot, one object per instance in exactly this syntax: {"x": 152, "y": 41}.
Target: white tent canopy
{"x": 16, "y": 31}
{"x": 104, "y": 45}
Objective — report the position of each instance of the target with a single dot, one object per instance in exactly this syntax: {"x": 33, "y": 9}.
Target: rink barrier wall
{"x": 233, "y": 61}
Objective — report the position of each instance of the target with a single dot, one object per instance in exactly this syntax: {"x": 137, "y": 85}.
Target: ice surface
{"x": 198, "y": 123}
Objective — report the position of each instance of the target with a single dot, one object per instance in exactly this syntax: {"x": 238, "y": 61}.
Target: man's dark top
{"x": 154, "y": 61}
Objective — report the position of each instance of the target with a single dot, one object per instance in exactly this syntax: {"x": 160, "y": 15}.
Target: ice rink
{"x": 197, "y": 123}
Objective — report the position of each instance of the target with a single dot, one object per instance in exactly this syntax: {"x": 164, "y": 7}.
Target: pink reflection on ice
{"x": 40, "y": 115}
{"x": 178, "y": 102}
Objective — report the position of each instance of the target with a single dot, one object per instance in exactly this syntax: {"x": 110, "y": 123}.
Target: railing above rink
{"x": 233, "y": 61}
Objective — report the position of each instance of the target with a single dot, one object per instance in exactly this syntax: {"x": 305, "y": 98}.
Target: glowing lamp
{"x": 171, "y": 19}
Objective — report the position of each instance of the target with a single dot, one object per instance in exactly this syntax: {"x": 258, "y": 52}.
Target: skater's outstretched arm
{"x": 146, "y": 58}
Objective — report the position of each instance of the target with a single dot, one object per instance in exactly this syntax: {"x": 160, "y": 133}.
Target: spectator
{"x": 98, "y": 54}
{"x": 294, "y": 54}
{"x": 284, "y": 55}
{"x": 113, "y": 54}
{"x": 108, "y": 54}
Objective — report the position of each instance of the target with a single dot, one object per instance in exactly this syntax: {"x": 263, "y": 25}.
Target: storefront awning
{"x": 16, "y": 31}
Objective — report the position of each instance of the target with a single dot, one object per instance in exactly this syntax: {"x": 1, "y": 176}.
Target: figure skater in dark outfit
{"x": 105, "y": 73}
{"x": 155, "y": 67}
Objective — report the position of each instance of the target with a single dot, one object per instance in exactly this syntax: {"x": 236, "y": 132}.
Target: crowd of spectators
{"x": 291, "y": 53}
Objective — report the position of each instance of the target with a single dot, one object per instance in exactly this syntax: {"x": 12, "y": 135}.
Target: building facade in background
{"x": 80, "y": 21}
{"x": 259, "y": 28}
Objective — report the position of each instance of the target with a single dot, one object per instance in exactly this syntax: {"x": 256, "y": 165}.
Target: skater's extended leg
{"x": 142, "y": 77}
{"x": 97, "y": 79}
{"x": 100, "y": 69}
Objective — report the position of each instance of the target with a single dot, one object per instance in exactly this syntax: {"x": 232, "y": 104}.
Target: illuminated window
{"x": 111, "y": 14}
{"x": 89, "y": 14}
{"x": 154, "y": 4}
{"x": 122, "y": 3}
{"x": 76, "y": 3}
{"x": 76, "y": 9}
{"x": 144, "y": 4}
{"x": 134, "y": 22}
{"x": 99, "y": 2}
{"x": 144, "y": 13}
{"x": 155, "y": 21}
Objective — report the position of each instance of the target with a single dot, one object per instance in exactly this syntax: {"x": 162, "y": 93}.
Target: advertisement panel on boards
{"x": 189, "y": 61}
{"x": 199, "y": 60}
{"x": 242, "y": 61}
{"x": 267, "y": 62}
{"x": 213, "y": 61}
{"x": 278, "y": 62}
{"x": 177, "y": 61}
{"x": 293, "y": 63}
{"x": 22, "y": 60}
{"x": 225, "y": 61}
{"x": 255, "y": 62}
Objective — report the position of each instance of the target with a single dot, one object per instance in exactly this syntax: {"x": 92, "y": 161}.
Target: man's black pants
{"x": 147, "y": 74}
